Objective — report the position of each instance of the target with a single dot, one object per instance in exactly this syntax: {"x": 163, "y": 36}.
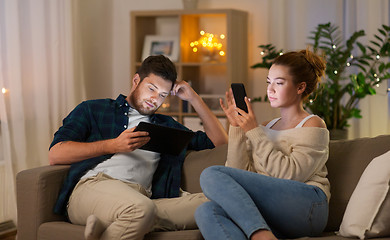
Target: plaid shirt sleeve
{"x": 76, "y": 126}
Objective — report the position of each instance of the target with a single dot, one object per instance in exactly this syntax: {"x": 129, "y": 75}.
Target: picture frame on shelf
{"x": 158, "y": 44}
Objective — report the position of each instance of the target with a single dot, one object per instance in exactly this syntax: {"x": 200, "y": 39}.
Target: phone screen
{"x": 239, "y": 95}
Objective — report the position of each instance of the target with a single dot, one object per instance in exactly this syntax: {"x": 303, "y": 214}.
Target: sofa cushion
{"x": 66, "y": 231}
{"x": 346, "y": 163}
{"x": 196, "y": 161}
{"x": 368, "y": 211}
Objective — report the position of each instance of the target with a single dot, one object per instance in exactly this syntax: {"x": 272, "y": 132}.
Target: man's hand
{"x": 69, "y": 152}
{"x": 212, "y": 126}
{"x": 129, "y": 141}
{"x": 184, "y": 91}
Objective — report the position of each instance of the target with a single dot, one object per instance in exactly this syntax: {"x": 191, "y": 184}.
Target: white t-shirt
{"x": 137, "y": 166}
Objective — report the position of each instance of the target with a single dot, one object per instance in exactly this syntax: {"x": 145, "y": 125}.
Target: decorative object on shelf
{"x": 212, "y": 101}
{"x": 353, "y": 71}
{"x": 209, "y": 45}
{"x": 190, "y": 4}
{"x": 165, "y": 45}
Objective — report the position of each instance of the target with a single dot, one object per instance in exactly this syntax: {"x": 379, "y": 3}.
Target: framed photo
{"x": 165, "y": 45}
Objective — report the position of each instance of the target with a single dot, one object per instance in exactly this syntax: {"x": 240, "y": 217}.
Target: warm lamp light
{"x": 209, "y": 44}
{"x": 4, "y": 90}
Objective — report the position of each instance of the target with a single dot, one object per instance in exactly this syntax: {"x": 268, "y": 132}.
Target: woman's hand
{"x": 230, "y": 108}
{"x": 236, "y": 116}
{"x": 246, "y": 121}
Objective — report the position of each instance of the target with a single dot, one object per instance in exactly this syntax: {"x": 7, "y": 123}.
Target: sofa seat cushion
{"x": 60, "y": 231}
{"x": 66, "y": 231}
{"x": 182, "y": 235}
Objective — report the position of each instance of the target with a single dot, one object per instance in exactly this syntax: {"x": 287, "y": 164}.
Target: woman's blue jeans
{"x": 242, "y": 202}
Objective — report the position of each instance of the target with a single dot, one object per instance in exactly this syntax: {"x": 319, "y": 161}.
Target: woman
{"x": 274, "y": 183}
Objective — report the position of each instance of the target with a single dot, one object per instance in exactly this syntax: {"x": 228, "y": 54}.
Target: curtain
{"x": 43, "y": 80}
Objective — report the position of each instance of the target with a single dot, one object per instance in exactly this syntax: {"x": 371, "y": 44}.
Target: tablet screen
{"x": 165, "y": 139}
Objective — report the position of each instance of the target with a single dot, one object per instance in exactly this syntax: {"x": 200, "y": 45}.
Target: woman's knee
{"x": 210, "y": 173}
{"x": 204, "y": 210}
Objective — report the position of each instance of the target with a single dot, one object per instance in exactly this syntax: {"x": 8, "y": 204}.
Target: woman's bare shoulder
{"x": 315, "y": 121}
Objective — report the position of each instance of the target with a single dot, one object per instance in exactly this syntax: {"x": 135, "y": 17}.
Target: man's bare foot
{"x": 93, "y": 229}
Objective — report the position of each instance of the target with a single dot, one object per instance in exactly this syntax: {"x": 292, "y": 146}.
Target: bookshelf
{"x": 209, "y": 78}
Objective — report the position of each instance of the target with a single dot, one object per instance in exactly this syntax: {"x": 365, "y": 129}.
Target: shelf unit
{"x": 208, "y": 78}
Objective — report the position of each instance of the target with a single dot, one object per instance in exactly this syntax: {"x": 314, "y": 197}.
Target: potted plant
{"x": 353, "y": 70}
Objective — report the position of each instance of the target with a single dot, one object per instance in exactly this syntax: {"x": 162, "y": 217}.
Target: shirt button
{"x": 125, "y": 113}
{"x": 126, "y": 104}
{"x": 125, "y": 126}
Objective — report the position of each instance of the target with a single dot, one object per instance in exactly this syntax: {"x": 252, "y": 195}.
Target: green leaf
{"x": 381, "y": 67}
{"x": 375, "y": 43}
{"x": 372, "y": 91}
{"x": 372, "y": 50}
{"x": 355, "y": 113}
{"x": 361, "y": 79}
{"x": 385, "y": 50}
{"x": 382, "y": 32}
{"x": 377, "y": 37}
{"x": 387, "y": 28}
{"x": 362, "y": 48}
{"x": 364, "y": 62}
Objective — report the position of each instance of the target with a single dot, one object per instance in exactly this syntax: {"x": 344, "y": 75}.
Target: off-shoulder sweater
{"x": 297, "y": 154}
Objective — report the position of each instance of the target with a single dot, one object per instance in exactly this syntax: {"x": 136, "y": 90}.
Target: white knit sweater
{"x": 298, "y": 154}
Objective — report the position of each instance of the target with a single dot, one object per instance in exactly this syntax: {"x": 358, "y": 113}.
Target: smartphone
{"x": 239, "y": 95}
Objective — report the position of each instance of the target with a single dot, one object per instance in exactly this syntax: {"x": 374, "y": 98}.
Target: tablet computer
{"x": 165, "y": 139}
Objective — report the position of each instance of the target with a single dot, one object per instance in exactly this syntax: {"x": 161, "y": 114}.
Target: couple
{"x": 122, "y": 192}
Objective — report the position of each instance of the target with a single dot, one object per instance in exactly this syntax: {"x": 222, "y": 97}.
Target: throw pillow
{"x": 368, "y": 211}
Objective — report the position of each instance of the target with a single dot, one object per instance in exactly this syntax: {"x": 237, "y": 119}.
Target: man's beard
{"x": 137, "y": 103}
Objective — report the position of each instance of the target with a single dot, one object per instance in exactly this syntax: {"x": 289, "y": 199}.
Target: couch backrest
{"x": 346, "y": 163}
{"x": 197, "y": 161}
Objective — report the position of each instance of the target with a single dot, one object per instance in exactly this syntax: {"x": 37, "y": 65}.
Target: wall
{"x": 285, "y": 23}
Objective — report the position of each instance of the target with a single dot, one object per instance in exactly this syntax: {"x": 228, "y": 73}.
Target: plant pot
{"x": 338, "y": 134}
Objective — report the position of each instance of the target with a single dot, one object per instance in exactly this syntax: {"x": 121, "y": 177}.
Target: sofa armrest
{"x": 36, "y": 193}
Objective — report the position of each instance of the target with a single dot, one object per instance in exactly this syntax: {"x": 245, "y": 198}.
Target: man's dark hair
{"x": 160, "y": 66}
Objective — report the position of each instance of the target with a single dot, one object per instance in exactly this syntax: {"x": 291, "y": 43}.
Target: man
{"x": 111, "y": 182}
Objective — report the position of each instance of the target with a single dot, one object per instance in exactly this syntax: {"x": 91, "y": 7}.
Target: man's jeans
{"x": 243, "y": 202}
